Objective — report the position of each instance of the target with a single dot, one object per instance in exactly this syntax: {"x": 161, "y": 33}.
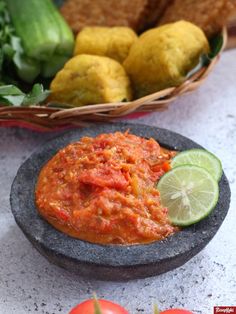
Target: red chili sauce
{"x": 103, "y": 190}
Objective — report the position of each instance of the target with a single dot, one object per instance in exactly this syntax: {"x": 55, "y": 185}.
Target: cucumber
{"x": 41, "y": 28}
{"x": 53, "y": 65}
{"x": 26, "y": 68}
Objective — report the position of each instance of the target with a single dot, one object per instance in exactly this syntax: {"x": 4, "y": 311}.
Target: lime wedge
{"x": 201, "y": 158}
{"x": 189, "y": 192}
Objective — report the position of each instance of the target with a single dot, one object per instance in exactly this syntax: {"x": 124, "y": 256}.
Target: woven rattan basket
{"x": 47, "y": 117}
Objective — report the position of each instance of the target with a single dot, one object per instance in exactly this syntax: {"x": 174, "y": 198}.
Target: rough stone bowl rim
{"x": 111, "y": 255}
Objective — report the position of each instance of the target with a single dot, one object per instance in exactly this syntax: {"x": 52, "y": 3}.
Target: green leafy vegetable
{"x": 27, "y": 68}
{"x": 36, "y": 96}
{"x": 53, "y": 65}
{"x": 12, "y": 95}
{"x": 216, "y": 44}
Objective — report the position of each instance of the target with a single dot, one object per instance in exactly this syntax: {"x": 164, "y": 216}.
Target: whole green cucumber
{"x": 41, "y": 28}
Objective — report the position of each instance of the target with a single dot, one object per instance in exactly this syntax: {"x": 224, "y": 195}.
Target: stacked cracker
{"x": 137, "y": 14}
{"x": 210, "y": 15}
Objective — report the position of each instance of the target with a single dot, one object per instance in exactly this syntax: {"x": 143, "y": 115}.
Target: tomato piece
{"x": 107, "y": 307}
{"x": 166, "y": 166}
{"x": 63, "y": 215}
{"x": 104, "y": 176}
{"x": 176, "y": 311}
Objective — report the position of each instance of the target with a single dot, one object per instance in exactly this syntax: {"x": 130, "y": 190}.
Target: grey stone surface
{"x": 110, "y": 262}
{"x": 30, "y": 284}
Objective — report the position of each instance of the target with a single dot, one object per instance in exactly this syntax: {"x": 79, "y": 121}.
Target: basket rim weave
{"x": 47, "y": 117}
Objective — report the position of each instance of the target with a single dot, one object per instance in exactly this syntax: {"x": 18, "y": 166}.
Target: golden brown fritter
{"x": 113, "y": 42}
{"x": 87, "y": 79}
{"x": 137, "y": 14}
{"x": 210, "y": 15}
{"x": 162, "y": 56}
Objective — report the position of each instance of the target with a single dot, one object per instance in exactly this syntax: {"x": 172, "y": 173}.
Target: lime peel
{"x": 201, "y": 158}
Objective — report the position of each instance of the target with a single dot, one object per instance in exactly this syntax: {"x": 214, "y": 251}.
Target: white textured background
{"x": 29, "y": 284}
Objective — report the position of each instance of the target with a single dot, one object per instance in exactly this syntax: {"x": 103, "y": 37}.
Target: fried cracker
{"x": 137, "y": 14}
{"x": 210, "y": 15}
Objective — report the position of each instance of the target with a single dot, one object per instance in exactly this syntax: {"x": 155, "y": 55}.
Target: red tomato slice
{"x": 176, "y": 311}
{"x": 107, "y": 307}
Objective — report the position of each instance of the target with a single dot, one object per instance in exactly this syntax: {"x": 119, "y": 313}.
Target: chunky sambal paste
{"x": 103, "y": 190}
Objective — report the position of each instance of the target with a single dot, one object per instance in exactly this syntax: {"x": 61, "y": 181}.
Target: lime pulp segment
{"x": 201, "y": 158}
{"x": 189, "y": 192}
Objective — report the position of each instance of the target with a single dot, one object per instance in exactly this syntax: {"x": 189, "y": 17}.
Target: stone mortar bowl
{"x": 110, "y": 262}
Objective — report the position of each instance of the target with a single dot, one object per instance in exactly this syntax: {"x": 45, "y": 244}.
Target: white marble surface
{"x": 29, "y": 284}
